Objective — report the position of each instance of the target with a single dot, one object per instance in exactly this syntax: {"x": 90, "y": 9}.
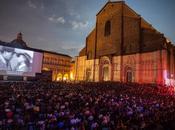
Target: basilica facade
{"x": 126, "y": 48}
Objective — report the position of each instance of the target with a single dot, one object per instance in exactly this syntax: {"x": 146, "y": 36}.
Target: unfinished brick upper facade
{"x": 130, "y": 33}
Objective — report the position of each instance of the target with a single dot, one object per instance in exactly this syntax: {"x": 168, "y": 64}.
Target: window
{"x": 89, "y": 55}
{"x": 107, "y": 28}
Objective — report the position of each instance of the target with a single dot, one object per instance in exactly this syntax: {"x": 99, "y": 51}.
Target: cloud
{"x": 61, "y": 20}
{"x": 74, "y": 14}
{"x": 72, "y": 51}
{"x": 79, "y": 25}
{"x": 69, "y": 47}
{"x": 31, "y": 4}
{"x": 51, "y": 19}
{"x": 55, "y": 19}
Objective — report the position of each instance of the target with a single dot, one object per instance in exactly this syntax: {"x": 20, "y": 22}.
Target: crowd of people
{"x": 86, "y": 106}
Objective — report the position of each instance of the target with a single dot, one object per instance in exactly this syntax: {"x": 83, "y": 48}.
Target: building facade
{"x": 72, "y": 70}
{"x": 59, "y": 64}
{"x": 124, "y": 47}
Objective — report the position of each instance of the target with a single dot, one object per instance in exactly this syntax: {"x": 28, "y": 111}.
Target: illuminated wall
{"x": 80, "y": 66}
{"x": 58, "y": 64}
{"x": 150, "y": 67}
{"x": 72, "y": 71}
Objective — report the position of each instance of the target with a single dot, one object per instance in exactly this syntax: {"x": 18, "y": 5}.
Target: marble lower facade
{"x": 151, "y": 67}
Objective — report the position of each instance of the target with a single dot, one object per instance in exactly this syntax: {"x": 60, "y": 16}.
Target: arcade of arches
{"x": 59, "y": 76}
{"x": 62, "y": 77}
{"x": 58, "y": 64}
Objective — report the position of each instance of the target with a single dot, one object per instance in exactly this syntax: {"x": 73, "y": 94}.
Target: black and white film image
{"x": 13, "y": 59}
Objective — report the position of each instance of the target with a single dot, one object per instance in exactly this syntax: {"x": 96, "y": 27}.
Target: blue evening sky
{"x": 62, "y": 25}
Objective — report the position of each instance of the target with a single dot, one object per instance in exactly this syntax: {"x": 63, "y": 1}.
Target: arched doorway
{"x": 59, "y": 77}
{"x": 129, "y": 77}
{"x": 105, "y": 73}
{"x": 105, "y": 69}
{"x": 88, "y": 74}
{"x": 129, "y": 74}
{"x": 65, "y": 77}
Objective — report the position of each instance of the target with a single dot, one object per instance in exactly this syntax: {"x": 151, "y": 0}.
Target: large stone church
{"x": 124, "y": 47}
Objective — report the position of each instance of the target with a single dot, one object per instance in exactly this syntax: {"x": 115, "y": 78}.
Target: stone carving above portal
{"x": 131, "y": 60}
{"x": 105, "y": 60}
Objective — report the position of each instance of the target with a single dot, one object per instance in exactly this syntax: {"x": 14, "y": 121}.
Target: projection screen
{"x": 14, "y": 61}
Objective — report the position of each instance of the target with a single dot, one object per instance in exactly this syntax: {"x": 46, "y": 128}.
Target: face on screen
{"x": 24, "y": 63}
{"x": 7, "y": 55}
{"x": 15, "y": 61}
{"x": 21, "y": 58}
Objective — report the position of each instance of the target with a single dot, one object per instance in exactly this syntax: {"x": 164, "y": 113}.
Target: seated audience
{"x": 86, "y": 106}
